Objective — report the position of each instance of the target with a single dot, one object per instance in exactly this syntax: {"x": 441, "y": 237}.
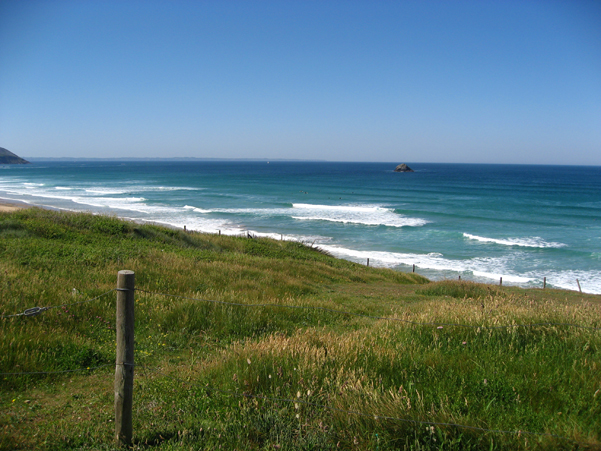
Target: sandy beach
{"x": 9, "y": 205}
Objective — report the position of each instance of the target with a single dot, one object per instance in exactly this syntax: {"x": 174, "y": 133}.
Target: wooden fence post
{"x": 578, "y": 282}
{"x": 500, "y": 281}
{"x": 368, "y": 262}
{"x": 544, "y": 283}
{"x": 413, "y": 268}
{"x": 124, "y": 365}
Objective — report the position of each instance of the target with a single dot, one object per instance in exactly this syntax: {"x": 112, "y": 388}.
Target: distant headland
{"x": 7, "y": 157}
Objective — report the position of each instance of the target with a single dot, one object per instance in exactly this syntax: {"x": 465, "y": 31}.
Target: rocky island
{"x": 403, "y": 168}
{"x": 7, "y": 157}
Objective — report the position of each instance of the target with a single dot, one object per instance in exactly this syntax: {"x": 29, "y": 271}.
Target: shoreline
{"x": 8, "y": 205}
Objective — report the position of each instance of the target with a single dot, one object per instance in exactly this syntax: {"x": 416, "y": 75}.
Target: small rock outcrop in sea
{"x": 7, "y": 157}
{"x": 403, "y": 168}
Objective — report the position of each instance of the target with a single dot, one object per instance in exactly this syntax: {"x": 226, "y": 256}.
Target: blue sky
{"x": 403, "y": 81}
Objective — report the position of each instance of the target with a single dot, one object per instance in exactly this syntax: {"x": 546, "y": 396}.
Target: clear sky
{"x": 399, "y": 81}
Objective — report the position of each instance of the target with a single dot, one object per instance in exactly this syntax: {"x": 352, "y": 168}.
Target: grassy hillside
{"x": 451, "y": 367}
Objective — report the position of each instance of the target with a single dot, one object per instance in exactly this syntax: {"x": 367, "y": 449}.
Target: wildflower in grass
{"x": 248, "y": 361}
{"x": 298, "y": 394}
{"x": 464, "y": 343}
{"x": 439, "y": 327}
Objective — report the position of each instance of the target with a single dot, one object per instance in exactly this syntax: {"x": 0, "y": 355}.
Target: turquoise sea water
{"x": 480, "y": 222}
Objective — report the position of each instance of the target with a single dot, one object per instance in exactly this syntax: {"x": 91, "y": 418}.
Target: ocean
{"x": 478, "y": 222}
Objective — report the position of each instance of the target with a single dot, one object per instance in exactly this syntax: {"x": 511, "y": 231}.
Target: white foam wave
{"x": 359, "y": 208}
{"x": 149, "y": 189}
{"x": 590, "y": 281}
{"x": 407, "y": 222}
{"x": 488, "y": 268}
{"x": 524, "y": 242}
{"x": 197, "y": 224}
{"x": 196, "y": 209}
{"x": 171, "y": 188}
{"x": 105, "y": 191}
{"x": 482, "y": 269}
{"x": 371, "y": 215}
{"x": 509, "y": 278}
{"x": 121, "y": 203}
{"x": 135, "y": 189}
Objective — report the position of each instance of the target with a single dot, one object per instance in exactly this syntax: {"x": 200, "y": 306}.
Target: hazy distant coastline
{"x": 166, "y": 159}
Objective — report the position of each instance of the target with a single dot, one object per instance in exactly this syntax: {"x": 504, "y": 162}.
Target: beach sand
{"x": 9, "y": 205}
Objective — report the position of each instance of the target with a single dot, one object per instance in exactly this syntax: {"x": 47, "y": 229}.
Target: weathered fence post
{"x": 500, "y": 281}
{"x": 368, "y": 262}
{"x": 124, "y": 364}
{"x": 544, "y": 283}
{"x": 413, "y": 268}
{"x": 578, "y": 282}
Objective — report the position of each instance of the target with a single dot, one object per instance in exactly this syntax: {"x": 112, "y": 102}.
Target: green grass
{"x": 196, "y": 359}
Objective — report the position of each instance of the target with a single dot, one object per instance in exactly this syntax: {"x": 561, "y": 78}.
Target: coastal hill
{"x": 7, "y": 157}
{"x": 256, "y": 343}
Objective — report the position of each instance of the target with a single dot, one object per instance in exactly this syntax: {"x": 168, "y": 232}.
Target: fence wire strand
{"x": 137, "y": 365}
{"x": 57, "y": 372}
{"x": 363, "y": 315}
{"x": 33, "y": 311}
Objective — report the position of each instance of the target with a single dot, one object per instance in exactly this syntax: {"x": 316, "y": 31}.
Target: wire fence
{"x": 25, "y": 373}
{"x": 34, "y": 311}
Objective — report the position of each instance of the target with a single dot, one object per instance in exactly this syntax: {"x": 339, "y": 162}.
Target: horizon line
{"x": 296, "y": 160}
